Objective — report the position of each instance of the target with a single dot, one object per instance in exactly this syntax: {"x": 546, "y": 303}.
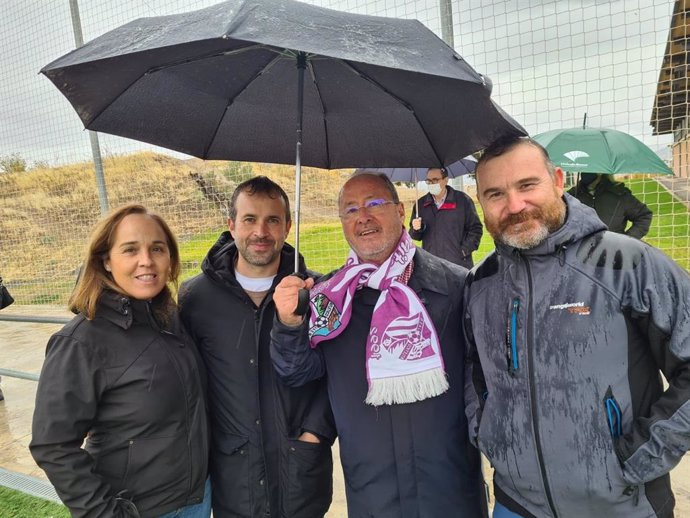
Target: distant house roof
{"x": 671, "y": 101}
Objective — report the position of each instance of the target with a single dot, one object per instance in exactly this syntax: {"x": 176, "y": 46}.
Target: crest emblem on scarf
{"x": 327, "y": 316}
{"x": 408, "y": 338}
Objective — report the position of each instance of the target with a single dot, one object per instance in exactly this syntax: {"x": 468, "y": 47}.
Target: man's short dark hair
{"x": 444, "y": 171}
{"x": 505, "y": 144}
{"x": 259, "y": 185}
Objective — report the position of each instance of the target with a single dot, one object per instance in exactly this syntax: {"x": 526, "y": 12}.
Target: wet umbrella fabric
{"x": 221, "y": 83}
{"x": 601, "y": 150}
{"x": 414, "y": 174}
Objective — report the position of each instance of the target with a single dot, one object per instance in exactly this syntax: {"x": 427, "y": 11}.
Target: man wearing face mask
{"x": 615, "y": 204}
{"x": 447, "y": 223}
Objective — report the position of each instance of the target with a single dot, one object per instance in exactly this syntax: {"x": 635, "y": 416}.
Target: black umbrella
{"x": 228, "y": 82}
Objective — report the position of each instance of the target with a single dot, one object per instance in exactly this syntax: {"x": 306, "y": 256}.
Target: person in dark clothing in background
{"x": 385, "y": 331}
{"x": 5, "y": 300}
{"x": 120, "y": 423}
{"x": 271, "y": 444}
{"x": 447, "y": 224}
{"x": 614, "y": 203}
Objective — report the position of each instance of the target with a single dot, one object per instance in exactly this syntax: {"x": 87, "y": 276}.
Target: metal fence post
{"x": 93, "y": 136}
{"x": 448, "y": 36}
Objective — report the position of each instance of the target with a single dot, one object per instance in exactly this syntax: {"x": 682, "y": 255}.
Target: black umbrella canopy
{"x": 221, "y": 83}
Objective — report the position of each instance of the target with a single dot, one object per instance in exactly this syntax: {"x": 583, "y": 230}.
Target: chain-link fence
{"x": 623, "y": 63}
{"x": 551, "y": 62}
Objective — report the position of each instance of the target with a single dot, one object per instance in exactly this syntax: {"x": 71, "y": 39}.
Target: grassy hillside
{"x": 46, "y": 215}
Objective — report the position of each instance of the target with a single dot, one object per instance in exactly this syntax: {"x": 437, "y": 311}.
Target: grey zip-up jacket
{"x": 572, "y": 337}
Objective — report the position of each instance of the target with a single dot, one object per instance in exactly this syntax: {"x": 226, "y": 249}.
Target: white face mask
{"x": 434, "y": 189}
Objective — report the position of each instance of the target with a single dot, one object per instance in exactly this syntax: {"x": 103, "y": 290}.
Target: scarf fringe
{"x": 408, "y": 388}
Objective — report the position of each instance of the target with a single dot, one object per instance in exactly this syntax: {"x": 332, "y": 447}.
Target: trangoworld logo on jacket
{"x": 573, "y": 156}
{"x": 576, "y": 308}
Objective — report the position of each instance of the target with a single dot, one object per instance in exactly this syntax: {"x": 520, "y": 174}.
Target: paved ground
{"x": 22, "y": 348}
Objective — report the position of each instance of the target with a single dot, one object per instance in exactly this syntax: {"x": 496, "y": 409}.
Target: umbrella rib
{"x": 231, "y": 100}
{"x": 323, "y": 112}
{"x": 192, "y": 59}
{"x": 398, "y": 99}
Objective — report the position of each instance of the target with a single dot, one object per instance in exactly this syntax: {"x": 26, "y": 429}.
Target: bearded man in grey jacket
{"x": 569, "y": 329}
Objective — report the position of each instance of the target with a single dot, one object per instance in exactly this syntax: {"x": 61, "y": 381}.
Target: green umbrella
{"x": 600, "y": 150}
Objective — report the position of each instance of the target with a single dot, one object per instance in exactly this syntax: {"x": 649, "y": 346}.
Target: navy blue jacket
{"x": 451, "y": 232}
{"x": 400, "y": 461}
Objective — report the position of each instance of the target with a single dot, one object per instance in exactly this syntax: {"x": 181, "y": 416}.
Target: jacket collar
{"x": 428, "y": 274}
{"x": 124, "y": 311}
{"x": 451, "y": 197}
{"x": 219, "y": 263}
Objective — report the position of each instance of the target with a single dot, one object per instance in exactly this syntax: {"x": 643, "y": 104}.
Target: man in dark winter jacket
{"x": 569, "y": 329}
{"x": 271, "y": 444}
{"x": 386, "y": 333}
{"x": 615, "y": 204}
{"x": 447, "y": 223}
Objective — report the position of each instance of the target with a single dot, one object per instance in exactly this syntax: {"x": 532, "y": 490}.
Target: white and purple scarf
{"x": 404, "y": 362}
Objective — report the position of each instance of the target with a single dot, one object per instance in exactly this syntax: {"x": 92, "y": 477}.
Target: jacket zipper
{"x": 177, "y": 367}
{"x": 258, "y": 323}
{"x": 511, "y": 338}
{"x": 188, "y": 426}
{"x": 533, "y": 391}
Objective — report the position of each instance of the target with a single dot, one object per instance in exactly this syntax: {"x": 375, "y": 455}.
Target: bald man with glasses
{"x": 384, "y": 330}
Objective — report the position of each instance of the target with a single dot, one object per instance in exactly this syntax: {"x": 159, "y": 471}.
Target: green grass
{"x": 193, "y": 251}
{"x": 670, "y": 230}
{"x": 323, "y": 246}
{"x": 14, "y": 504}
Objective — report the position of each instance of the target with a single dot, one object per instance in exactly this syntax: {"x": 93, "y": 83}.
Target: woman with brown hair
{"x": 120, "y": 423}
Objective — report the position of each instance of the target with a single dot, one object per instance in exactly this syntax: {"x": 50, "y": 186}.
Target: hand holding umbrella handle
{"x": 302, "y": 302}
{"x": 302, "y": 297}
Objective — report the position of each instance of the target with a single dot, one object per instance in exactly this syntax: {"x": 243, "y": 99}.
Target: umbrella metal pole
{"x": 416, "y": 194}
{"x": 301, "y": 65}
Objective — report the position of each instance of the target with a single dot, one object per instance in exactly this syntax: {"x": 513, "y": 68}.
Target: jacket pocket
{"x": 512, "y": 336}
{"x": 110, "y": 461}
{"x": 158, "y": 464}
{"x": 614, "y": 416}
{"x": 230, "y": 461}
{"x": 309, "y": 485}
{"x": 614, "y": 420}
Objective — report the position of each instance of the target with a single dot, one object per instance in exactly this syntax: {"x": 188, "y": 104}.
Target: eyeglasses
{"x": 372, "y": 206}
{"x": 433, "y": 180}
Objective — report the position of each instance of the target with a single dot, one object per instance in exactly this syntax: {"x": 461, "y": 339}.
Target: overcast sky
{"x": 550, "y": 62}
